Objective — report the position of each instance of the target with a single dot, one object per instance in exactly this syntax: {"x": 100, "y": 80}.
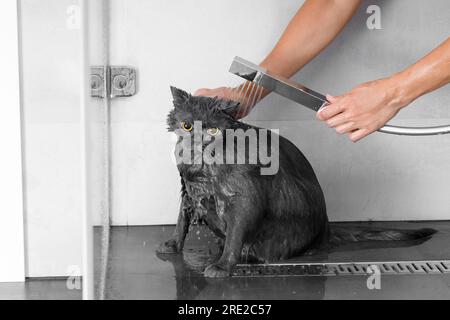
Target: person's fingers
{"x": 330, "y": 110}
{"x": 346, "y": 128}
{"x": 331, "y": 99}
{"x": 211, "y": 93}
{"x": 357, "y": 135}
{"x": 337, "y": 120}
{"x": 201, "y": 92}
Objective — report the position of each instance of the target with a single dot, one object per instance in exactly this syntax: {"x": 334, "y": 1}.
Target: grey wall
{"x": 382, "y": 177}
{"x": 191, "y": 45}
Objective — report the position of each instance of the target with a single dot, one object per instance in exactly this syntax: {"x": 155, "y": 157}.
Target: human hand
{"x": 363, "y": 110}
{"x": 247, "y": 94}
{"x": 221, "y": 92}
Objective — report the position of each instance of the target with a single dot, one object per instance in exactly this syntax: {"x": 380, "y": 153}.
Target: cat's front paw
{"x": 170, "y": 246}
{"x": 214, "y": 271}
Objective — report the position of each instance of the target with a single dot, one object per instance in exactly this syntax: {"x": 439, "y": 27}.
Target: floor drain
{"x": 346, "y": 268}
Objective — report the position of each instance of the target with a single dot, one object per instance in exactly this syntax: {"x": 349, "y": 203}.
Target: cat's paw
{"x": 170, "y": 246}
{"x": 214, "y": 271}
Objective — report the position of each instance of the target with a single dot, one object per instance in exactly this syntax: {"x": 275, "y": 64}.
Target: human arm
{"x": 311, "y": 29}
{"x": 369, "y": 106}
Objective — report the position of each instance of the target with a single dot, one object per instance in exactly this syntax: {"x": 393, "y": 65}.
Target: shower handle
{"x": 310, "y": 98}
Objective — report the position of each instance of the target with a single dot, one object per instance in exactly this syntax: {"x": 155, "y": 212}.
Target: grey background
{"x": 191, "y": 45}
{"x": 382, "y": 177}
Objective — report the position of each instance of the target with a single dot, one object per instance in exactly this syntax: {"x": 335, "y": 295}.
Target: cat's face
{"x": 200, "y": 123}
{"x": 214, "y": 115}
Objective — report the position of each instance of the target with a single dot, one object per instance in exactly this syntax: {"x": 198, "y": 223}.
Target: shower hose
{"x": 415, "y": 131}
{"x": 262, "y": 78}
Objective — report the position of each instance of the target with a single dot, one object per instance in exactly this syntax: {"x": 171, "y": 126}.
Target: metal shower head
{"x": 283, "y": 86}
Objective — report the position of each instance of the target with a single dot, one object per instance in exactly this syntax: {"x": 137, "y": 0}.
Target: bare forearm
{"x": 313, "y": 27}
{"x": 428, "y": 74}
{"x": 371, "y": 105}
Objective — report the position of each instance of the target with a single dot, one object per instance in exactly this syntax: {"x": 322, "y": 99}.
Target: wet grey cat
{"x": 263, "y": 218}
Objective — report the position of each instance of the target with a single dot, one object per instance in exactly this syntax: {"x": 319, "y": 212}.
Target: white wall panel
{"x": 12, "y": 266}
{"x": 190, "y": 44}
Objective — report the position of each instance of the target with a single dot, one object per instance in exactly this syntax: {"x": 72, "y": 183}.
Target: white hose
{"x": 415, "y": 131}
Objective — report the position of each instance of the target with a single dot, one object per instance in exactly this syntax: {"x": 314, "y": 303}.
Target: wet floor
{"x": 38, "y": 289}
{"x": 137, "y": 272}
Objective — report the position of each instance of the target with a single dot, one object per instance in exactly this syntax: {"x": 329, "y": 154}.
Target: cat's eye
{"x": 186, "y": 126}
{"x": 213, "y": 131}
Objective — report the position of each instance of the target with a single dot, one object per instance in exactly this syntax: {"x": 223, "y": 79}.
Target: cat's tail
{"x": 341, "y": 235}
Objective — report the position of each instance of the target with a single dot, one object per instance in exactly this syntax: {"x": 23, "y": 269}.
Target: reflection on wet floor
{"x": 190, "y": 284}
{"x": 136, "y": 271}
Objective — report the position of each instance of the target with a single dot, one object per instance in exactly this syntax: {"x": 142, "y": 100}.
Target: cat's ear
{"x": 179, "y": 96}
{"x": 230, "y": 107}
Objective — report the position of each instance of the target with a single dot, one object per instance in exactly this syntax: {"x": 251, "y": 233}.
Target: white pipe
{"x": 87, "y": 226}
{"x": 310, "y": 98}
{"x": 415, "y": 131}
{"x": 12, "y": 249}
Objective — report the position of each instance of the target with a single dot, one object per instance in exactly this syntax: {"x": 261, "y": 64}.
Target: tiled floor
{"x": 137, "y": 272}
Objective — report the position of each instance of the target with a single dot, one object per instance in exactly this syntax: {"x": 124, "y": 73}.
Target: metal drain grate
{"x": 346, "y": 268}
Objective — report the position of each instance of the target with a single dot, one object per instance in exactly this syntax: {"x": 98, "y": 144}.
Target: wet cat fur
{"x": 259, "y": 217}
